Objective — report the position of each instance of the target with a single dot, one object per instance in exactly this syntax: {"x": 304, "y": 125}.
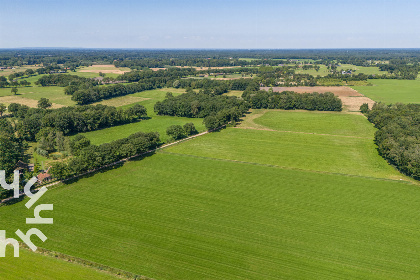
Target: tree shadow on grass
{"x": 106, "y": 169}
{"x": 12, "y": 201}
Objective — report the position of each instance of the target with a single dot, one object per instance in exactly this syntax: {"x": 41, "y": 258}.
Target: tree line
{"x": 289, "y": 100}
{"x": 86, "y": 156}
{"x": 70, "y": 120}
{"x": 398, "y": 135}
{"x": 216, "y": 110}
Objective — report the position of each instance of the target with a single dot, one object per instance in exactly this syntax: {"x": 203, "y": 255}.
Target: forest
{"x": 398, "y": 135}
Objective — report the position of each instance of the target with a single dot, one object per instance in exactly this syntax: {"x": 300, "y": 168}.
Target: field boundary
{"x": 123, "y": 274}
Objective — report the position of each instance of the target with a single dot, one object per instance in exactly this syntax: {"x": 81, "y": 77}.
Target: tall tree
{"x": 44, "y": 103}
{"x": 14, "y": 90}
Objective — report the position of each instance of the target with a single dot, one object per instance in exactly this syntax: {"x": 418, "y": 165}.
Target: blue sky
{"x": 210, "y": 24}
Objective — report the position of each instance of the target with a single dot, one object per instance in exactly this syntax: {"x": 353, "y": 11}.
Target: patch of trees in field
{"x": 63, "y": 80}
{"x": 289, "y": 100}
{"x": 398, "y": 135}
{"x": 215, "y": 87}
{"x": 176, "y": 132}
{"x": 12, "y": 150}
{"x": 216, "y": 110}
{"x": 71, "y": 120}
{"x": 174, "y": 73}
{"x": 87, "y": 157}
{"x": 86, "y": 91}
{"x": 95, "y": 94}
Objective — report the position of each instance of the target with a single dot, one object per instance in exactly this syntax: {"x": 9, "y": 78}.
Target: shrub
{"x": 175, "y": 132}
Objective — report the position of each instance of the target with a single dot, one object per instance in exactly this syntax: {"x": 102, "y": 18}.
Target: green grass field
{"x": 53, "y": 93}
{"x": 335, "y": 123}
{"x": 34, "y": 266}
{"x": 155, "y": 123}
{"x": 174, "y": 216}
{"x": 323, "y": 71}
{"x": 244, "y": 204}
{"x": 392, "y": 91}
{"x": 361, "y": 69}
{"x": 315, "y": 152}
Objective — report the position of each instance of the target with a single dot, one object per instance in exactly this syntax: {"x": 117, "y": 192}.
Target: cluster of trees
{"x": 398, "y": 135}
{"x": 71, "y": 120}
{"x": 289, "y": 100}
{"x": 400, "y": 70}
{"x": 173, "y": 72}
{"x": 63, "y": 80}
{"x": 12, "y": 150}
{"x": 216, "y": 110}
{"x": 94, "y": 94}
{"x": 88, "y": 157}
{"x": 177, "y": 132}
{"x": 216, "y": 87}
{"x": 13, "y": 83}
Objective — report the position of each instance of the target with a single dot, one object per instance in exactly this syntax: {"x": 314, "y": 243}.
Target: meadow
{"x": 361, "y": 69}
{"x": 33, "y": 266}
{"x": 334, "y": 123}
{"x": 392, "y": 91}
{"x": 314, "y": 152}
{"x": 176, "y": 216}
{"x": 153, "y": 123}
{"x": 30, "y": 95}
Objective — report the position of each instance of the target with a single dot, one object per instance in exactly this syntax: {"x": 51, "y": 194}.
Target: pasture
{"x": 155, "y": 123}
{"x": 331, "y": 123}
{"x": 314, "y": 152}
{"x": 392, "y": 91}
{"x": 34, "y": 266}
{"x": 362, "y": 69}
{"x": 53, "y": 93}
{"x": 176, "y": 216}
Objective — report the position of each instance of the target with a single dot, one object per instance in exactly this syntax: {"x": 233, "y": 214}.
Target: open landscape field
{"x": 261, "y": 194}
{"x": 204, "y": 215}
{"x": 361, "y": 69}
{"x": 321, "y": 152}
{"x": 54, "y": 94}
{"x": 392, "y": 91}
{"x": 107, "y": 69}
{"x": 154, "y": 123}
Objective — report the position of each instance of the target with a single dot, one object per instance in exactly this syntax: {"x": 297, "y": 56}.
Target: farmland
{"x": 199, "y": 217}
{"x": 315, "y": 152}
{"x": 392, "y": 91}
{"x": 274, "y": 194}
{"x": 154, "y": 123}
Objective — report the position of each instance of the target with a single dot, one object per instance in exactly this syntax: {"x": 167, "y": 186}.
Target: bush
{"x": 176, "y": 132}
{"x": 41, "y": 152}
{"x": 189, "y": 129}
{"x": 364, "y": 108}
